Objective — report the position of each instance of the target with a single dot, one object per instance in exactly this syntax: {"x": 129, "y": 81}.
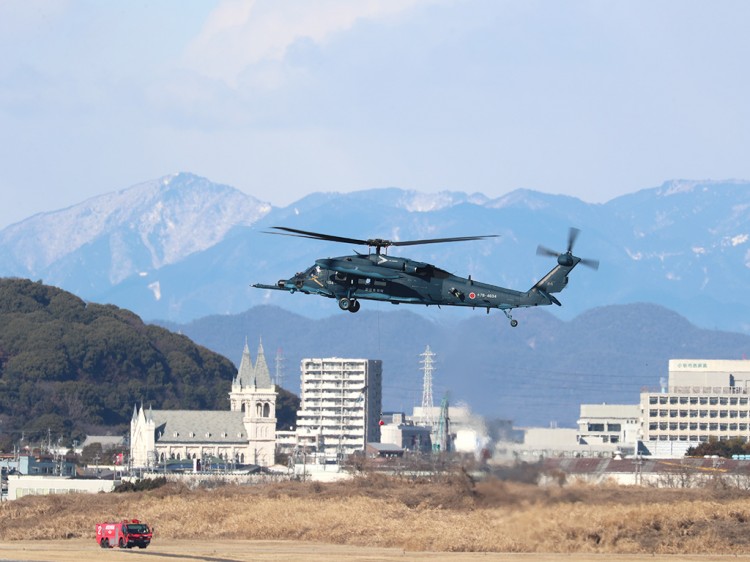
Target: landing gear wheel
{"x": 354, "y": 306}
{"x": 513, "y": 323}
{"x": 345, "y": 303}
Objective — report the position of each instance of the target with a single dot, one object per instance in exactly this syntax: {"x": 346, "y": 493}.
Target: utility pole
{"x": 638, "y": 465}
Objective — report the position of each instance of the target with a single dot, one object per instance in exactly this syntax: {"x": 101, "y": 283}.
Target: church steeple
{"x": 246, "y": 373}
{"x": 252, "y": 387}
{"x": 262, "y": 374}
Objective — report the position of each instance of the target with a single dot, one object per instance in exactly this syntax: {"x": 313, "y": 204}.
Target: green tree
{"x": 287, "y": 405}
{"x": 714, "y": 446}
{"x": 92, "y": 454}
{"x": 87, "y": 365}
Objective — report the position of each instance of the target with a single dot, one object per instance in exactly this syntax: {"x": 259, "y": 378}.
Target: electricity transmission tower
{"x": 427, "y": 368}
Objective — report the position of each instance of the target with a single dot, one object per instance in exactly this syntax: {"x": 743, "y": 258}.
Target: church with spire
{"x": 246, "y": 434}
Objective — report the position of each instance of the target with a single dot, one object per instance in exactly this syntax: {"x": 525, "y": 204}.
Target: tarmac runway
{"x": 80, "y": 550}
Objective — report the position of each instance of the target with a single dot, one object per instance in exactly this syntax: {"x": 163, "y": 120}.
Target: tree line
{"x": 74, "y": 368}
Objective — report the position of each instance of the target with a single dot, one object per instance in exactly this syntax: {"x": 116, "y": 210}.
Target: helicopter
{"x": 380, "y": 277}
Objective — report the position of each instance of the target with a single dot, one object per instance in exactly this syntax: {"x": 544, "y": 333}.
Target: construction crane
{"x": 442, "y": 433}
{"x": 279, "y": 367}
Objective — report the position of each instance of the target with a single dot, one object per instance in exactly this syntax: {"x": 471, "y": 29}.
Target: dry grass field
{"x": 448, "y": 513}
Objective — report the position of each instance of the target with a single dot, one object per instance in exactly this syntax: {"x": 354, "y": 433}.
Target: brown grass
{"x": 451, "y": 513}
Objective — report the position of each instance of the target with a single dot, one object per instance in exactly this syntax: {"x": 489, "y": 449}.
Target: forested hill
{"x": 72, "y": 367}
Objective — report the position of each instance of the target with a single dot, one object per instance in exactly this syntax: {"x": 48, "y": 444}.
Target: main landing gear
{"x": 513, "y": 321}
{"x": 345, "y": 303}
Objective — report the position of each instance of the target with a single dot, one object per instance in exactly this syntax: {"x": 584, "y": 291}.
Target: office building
{"x": 703, "y": 398}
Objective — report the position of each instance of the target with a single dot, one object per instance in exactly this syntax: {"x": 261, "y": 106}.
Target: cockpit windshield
{"x": 311, "y": 271}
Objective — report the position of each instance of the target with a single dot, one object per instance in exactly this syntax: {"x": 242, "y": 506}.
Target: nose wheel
{"x": 352, "y": 305}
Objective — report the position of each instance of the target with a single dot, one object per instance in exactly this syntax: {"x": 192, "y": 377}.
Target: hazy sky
{"x": 284, "y": 97}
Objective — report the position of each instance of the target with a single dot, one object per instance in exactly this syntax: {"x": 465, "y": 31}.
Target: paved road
{"x": 275, "y": 551}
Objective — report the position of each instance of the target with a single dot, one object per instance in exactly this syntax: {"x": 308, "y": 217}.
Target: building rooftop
{"x": 199, "y": 426}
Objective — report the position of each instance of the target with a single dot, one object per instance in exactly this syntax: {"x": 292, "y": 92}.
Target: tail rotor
{"x": 567, "y": 258}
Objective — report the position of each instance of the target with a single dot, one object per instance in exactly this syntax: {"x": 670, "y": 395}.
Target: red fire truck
{"x": 125, "y": 534}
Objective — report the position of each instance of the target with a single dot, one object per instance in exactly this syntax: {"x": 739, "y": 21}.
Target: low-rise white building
{"x": 615, "y": 425}
{"x": 468, "y": 431}
{"x": 20, "y": 485}
{"x": 604, "y": 431}
{"x": 399, "y": 431}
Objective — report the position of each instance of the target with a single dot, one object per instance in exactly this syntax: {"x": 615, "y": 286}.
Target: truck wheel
{"x": 104, "y": 543}
{"x": 121, "y": 543}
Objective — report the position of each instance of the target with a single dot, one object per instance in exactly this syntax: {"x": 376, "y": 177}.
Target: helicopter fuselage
{"x": 401, "y": 280}
{"x": 378, "y": 276}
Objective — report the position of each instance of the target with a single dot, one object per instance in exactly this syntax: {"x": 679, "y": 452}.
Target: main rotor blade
{"x": 378, "y": 242}
{"x": 317, "y": 235}
{"x": 439, "y": 240}
{"x": 544, "y": 251}
{"x": 572, "y": 236}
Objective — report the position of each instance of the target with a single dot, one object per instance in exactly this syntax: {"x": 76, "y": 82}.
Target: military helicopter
{"x": 378, "y": 276}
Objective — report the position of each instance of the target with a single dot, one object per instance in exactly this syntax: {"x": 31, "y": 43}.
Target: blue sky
{"x": 282, "y": 98}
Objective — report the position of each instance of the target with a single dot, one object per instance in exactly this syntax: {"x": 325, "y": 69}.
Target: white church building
{"x": 245, "y": 434}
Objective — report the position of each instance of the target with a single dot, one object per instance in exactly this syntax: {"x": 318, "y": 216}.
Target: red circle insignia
{"x": 472, "y": 295}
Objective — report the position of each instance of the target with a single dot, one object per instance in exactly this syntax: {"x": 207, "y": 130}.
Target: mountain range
{"x": 181, "y": 247}
{"x": 536, "y": 374}
{"x": 182, "y": 252}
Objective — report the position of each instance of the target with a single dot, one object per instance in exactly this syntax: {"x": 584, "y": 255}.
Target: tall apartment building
{"x": 340, "y": 404}
{"x": 703, "y": 398}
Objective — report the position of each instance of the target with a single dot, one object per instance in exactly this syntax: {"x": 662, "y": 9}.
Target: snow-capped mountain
{"x": 107, "y": 239}
{"x": 181, "y": 247}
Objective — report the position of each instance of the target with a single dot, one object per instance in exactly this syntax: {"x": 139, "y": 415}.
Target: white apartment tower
{"x": 340, "y": 404}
